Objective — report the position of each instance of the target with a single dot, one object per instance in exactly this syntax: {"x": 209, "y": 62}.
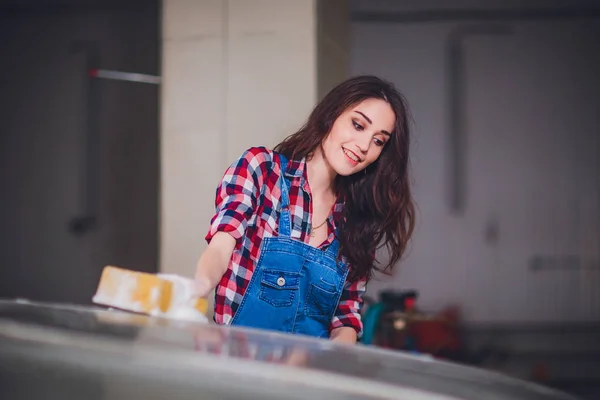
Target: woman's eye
{"x": 379, "y": 142}
{"x": 357, "y": 126}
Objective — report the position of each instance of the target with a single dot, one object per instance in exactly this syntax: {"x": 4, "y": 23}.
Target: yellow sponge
{"x": 160, "y": 295}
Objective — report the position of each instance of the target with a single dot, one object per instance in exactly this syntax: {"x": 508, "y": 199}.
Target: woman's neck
{"x": 320, "y": 174}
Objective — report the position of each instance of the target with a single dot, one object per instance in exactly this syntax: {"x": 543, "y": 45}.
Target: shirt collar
{"x": 296, "y": 169}
{"x": 338, "y": 213}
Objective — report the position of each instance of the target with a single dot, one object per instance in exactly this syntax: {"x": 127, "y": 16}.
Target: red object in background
{"x": 409, "y": 304}
{"x": 438, "y": 335}
{"x": 434, "y": 336}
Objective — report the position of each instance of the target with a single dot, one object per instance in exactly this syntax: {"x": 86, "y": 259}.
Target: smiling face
{"x": 358, "y": 136}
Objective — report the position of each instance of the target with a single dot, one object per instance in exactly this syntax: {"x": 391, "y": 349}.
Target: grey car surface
{"x": 69, "y": 352}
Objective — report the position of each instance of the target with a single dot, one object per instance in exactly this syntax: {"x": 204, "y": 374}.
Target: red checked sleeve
{"x": 238, "y": 193}
{"x": 348, "y": 311}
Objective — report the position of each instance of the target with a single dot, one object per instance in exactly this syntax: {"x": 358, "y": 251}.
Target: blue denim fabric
{"x": 295, "y": 288}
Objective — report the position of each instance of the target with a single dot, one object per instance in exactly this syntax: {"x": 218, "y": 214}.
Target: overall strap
{"x": 334, "y": 247}
{"x": 285, "y": 221}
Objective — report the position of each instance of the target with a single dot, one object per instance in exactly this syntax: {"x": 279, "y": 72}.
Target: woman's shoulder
{"x": 260, "y": 158}
{"x": 260, "y": 154}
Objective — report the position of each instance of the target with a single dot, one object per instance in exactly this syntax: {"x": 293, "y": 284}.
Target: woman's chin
{"x": 347, "y": 171}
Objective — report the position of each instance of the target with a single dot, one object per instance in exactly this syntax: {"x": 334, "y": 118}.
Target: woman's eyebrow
{"x": 365, "y": 117}
{"x": 371, "y": 122}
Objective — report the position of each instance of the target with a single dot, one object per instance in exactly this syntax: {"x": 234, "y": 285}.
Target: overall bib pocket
{"x": 321, "y": 299}
{"x": 279, "y": 288}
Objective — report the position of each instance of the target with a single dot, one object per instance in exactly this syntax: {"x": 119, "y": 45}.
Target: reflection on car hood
{"x": 82, "y": 352}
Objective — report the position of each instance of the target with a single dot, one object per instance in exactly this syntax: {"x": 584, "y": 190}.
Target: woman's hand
{"x": 296, "y": 358}
{"x": 343, "y": 334}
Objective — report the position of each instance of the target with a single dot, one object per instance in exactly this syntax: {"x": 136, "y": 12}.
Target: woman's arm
{"x": 213, "y": 263}
{"x": 236, "y": 201}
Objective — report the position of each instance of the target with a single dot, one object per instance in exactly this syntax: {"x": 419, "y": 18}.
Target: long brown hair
{"x": 379, "y": 209}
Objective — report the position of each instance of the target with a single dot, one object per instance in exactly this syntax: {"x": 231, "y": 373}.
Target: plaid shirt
{"x": 247, "y": 200}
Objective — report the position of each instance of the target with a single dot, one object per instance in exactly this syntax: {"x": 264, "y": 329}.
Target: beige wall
{"x": 236, "y": 73}
{"x": 527, "y": 246}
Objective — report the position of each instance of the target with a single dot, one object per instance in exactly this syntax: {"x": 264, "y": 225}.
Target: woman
{"x": 292, "y": 243}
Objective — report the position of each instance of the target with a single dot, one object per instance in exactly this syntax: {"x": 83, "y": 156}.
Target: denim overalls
{"x": 295, "y": 287}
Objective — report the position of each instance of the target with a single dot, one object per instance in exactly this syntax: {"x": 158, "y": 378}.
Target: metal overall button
{"x": 279, "y": 288}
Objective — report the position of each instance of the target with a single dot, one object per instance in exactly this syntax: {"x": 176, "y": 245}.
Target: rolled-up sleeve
{"x": 238, "y": 193}
{"x": 348, "y": 311}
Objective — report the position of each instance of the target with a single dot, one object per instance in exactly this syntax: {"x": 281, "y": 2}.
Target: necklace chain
{"x": 312, "y": 231}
